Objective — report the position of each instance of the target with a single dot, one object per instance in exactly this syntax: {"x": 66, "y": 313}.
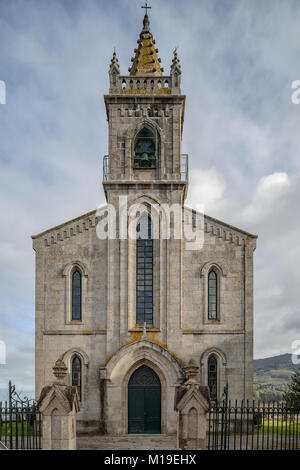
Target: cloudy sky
{"x": 239, "y": 59}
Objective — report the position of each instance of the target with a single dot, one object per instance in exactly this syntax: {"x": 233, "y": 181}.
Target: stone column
{"x": 192, "y": 405}
{"x": 58, "y": 404}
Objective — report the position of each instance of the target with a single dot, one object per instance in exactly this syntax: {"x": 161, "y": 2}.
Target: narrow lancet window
{"x": 76, "y": 375}
{"x": 212, "y": 295}
{"x": 144, "y": 271}
{"x": 213, "y": 377}
{"x": 76, "y": 295}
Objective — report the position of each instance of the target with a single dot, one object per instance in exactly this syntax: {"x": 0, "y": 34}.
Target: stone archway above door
{"x": 130, "y": 354}
{"x": 116, "y": 375}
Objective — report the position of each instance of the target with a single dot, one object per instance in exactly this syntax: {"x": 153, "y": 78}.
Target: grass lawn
{"x": 26, "y": 429}
{"x": 281, "y": 427}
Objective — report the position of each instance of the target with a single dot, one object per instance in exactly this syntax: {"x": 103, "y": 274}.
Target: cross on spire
{"x": 146, "y": 7}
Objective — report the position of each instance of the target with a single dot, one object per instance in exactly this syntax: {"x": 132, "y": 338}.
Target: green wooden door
{"x": 144, "y": 402}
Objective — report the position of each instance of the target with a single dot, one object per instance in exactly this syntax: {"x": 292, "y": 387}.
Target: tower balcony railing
{"x": 105, "y": 167}
{"x": 184, "y": 168}
{"x": 131, "y": 85}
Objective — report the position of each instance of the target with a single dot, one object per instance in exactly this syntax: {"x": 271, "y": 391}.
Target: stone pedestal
{"x": 192, "y": 405}
{"x": 58, "y": 404}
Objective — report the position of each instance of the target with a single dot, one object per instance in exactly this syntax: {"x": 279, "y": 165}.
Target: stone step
{"x": 127, "y": 442}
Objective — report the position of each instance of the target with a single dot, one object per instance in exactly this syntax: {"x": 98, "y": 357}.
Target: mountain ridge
{"x": 282, "y": 361}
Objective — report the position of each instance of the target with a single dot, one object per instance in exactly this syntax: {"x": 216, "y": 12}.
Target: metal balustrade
{"x": 184, "y": 168}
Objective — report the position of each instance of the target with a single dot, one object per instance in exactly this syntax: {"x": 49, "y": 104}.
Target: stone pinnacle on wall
{"x": 114, "y": 64}
{"x": 175, "y": 62}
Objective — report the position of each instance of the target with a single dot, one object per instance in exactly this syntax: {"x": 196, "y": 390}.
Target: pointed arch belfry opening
{"x": 145, "y": 147}
{"x": 144, "y": 130}
{"x": 144, "y": 402}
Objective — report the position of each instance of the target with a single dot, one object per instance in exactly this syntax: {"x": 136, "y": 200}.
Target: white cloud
{"x": 206, "y": 187}
{"x": 269, "y": 195}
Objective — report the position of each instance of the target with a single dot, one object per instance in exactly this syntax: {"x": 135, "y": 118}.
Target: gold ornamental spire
{"x": 146, "y": 62}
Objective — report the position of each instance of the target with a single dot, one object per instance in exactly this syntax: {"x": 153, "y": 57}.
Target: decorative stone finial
{"x": 114, "y": 64}
{"x": 175, "y": 62}
{"x": 146, "y": 24}
{"x": 60, "y": 370}
{"x": 191, "y": 370}
{"x": 175, "y": 71}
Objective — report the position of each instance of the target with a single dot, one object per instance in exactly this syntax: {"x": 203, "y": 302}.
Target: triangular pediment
{"x": 58, "y": 396}
{"x": 193, "y": 398}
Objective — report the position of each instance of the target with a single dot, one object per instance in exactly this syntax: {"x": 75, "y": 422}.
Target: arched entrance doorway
{"x": 144, "y": 402}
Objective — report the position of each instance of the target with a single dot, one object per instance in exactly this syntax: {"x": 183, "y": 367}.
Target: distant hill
{"x": 271, "y": 376}
{"x": 284, "y": 361}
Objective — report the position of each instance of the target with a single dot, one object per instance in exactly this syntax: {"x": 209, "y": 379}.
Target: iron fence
{"x": 20, "y": 422}
{"x": 20, "y": 427}
{"x": 253, "y": 426}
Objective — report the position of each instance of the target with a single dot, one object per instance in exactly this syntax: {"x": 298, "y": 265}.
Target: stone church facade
{"x": 128, "y": 315}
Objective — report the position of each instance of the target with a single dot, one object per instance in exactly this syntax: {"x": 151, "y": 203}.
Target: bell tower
{"x": 145, "y": 112}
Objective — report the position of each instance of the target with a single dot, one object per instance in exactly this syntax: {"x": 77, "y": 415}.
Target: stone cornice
{"x": 147, "y": 99}
{"x": 213, "y": 332}
{"x": 74, "y": 332}
{"x": 88, "y": 221}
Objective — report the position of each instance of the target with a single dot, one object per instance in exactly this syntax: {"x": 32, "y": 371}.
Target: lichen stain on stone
{"x": 137, "y": 336}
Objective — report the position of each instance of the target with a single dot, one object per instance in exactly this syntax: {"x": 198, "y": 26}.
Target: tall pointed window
{"x": 76, "y": 295}
{"x": 76, "y": 375}
{"x": 144, "y": 271}
{"x": 213, "y": 377}
{"x": 145, "y": 148}
{"x": 212, "y": 295}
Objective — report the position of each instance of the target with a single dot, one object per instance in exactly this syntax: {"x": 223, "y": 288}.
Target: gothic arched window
{"x": 76, "y": 295}
{"x": 145, "y": 148}
{"x": 212, "y": 295}
{"x": 76, "y": 375}
{"x": 212, "y": 380}
{"x": 144, "y": 271}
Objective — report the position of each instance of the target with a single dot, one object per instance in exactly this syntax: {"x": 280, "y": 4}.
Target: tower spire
{"x": 145, "y": 62}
